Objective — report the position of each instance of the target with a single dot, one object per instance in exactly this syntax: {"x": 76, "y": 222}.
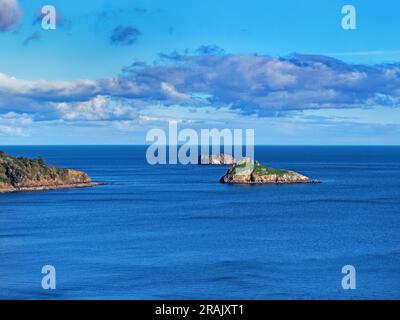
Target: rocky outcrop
{"x": 22, "y": 174}
{"x": 250, "y": 172}
{"x": 218, "y": 159}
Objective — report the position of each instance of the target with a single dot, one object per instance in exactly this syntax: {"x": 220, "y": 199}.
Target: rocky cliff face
{"x": 249, "y": 172}
{"x": 22, "y": 174}
{"x": 218, "y": 159}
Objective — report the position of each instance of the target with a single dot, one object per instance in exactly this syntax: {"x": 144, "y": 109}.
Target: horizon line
{"x": 146, "y": 145}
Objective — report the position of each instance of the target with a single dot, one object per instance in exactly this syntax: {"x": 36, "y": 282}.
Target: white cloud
{"x": 10, "y": 14}
{"x": 100, "y": 108}
{"x": 13, "y": 124}
{"x": 187, "y": 85}
{"x": 170, "y": 91}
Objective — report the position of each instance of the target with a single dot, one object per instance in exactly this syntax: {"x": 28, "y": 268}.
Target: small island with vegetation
{"x": 252, "y": 172}
{"x": 23, "y": 174}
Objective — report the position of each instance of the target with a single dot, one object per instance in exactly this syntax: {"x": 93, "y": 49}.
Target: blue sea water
{"x": 174, "y": 232}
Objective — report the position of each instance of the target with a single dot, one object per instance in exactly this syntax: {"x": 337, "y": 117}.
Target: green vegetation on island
{"x": 257, "y": 169}
{"x": 23, "y": 174}
{"x": 248, "y": 171}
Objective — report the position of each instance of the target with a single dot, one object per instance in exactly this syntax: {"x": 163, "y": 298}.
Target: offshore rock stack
{"x": 219, "y": 159}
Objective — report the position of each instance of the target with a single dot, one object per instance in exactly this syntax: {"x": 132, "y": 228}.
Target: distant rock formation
{"x": 218, "y": 159}
{"x": 250, "y": 172}
{"x": 22, "y": 174}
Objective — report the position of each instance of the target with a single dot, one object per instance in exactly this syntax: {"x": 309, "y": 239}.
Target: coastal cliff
{"x": 249, "y": 172}
{"x": 23, "y": 174}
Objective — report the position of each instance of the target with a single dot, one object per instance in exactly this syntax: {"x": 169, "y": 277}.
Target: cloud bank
{"x": 249, "y": 84}
{"x": 254, "y": 83}
{"x": 10, "y": 14}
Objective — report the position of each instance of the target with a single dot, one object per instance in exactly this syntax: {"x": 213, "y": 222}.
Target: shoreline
{"x": 53, "y": 187}
{"x": 271, "y": 183}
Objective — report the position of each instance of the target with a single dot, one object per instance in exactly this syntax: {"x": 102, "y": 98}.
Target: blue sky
{"x": 112, "y": 70}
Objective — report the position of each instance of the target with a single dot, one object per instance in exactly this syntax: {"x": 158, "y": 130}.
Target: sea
{"x": 175, "y": 232}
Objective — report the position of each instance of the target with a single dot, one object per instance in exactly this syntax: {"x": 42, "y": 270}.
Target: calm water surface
{"x": 175, "y": 232}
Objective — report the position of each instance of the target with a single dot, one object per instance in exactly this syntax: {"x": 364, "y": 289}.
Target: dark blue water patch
{"x": 176, "y": 232}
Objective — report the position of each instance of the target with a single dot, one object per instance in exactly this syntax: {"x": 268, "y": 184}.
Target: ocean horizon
{"x": 175, "y": 232}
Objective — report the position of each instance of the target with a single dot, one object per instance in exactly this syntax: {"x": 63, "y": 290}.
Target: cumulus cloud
{"x": 100, "y": 108}
{"x": 249, "y": 84}
{"x": 10, "y": 14}
{"x": 170, "y": 91}
{"x": 12, "y": 123}
{"x": 125, "y": 35}
{"x": 264, "y": 84}
{"x": 43, "y": 90}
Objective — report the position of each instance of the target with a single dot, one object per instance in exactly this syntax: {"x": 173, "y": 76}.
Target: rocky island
{"x": 250, "y": 172}
{"x": 217, "y": 159}
{"x": 23, "y": 174}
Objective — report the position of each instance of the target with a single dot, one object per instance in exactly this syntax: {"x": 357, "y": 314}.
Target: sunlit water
{"x": 176, "y": 232}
